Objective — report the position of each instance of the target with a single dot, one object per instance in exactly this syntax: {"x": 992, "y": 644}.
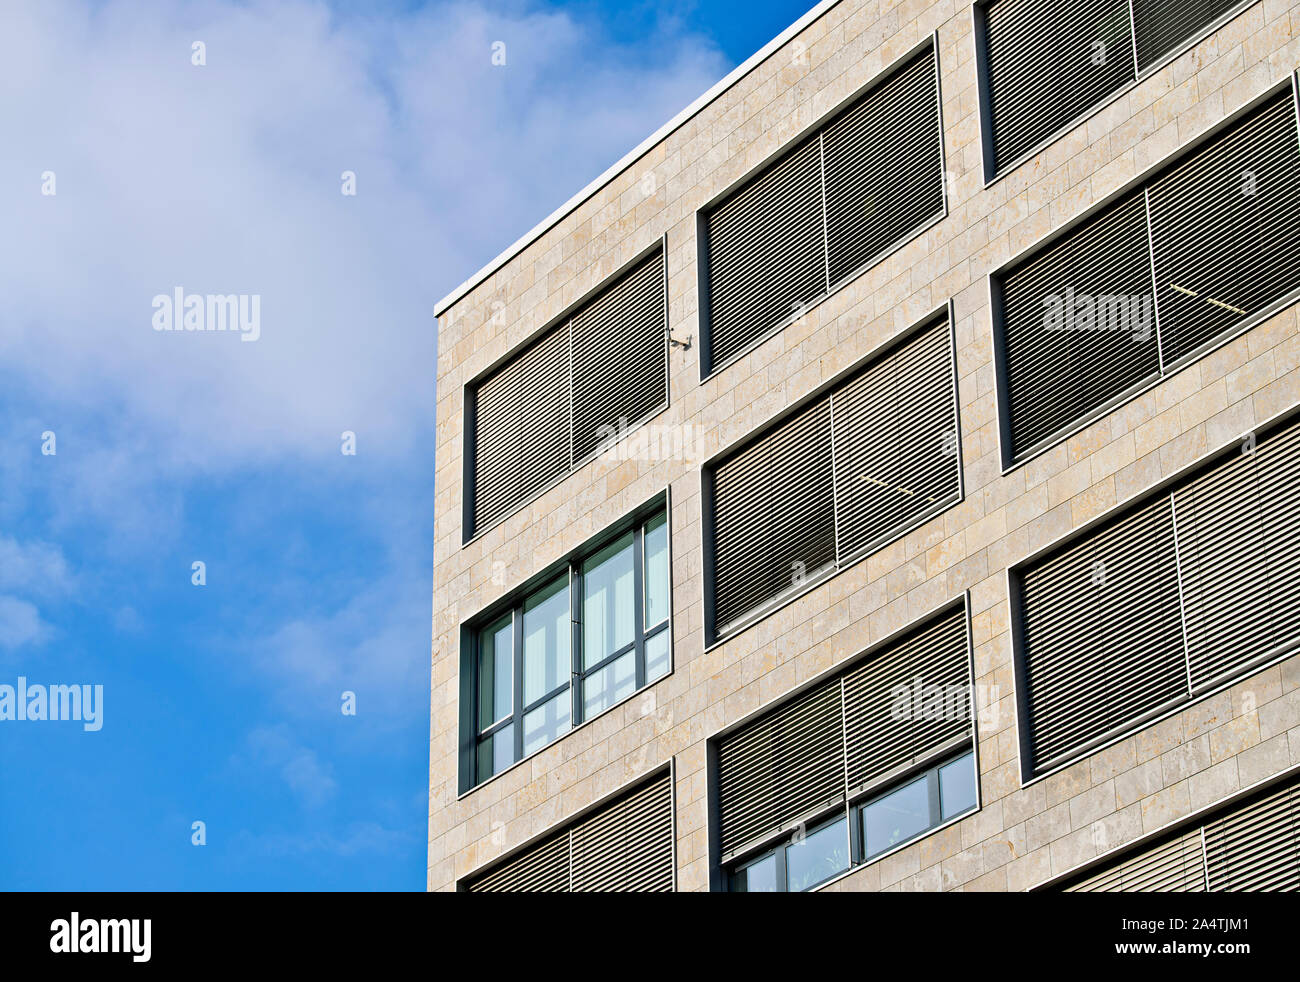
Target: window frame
{"x": 511, "y": 608}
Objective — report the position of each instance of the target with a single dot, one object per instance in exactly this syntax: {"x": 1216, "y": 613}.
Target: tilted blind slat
{"x": 766, "y": 252}
{"x": 884, "y": 172}
{"x": 1277, "y": 461}
{"x": 1103, "y": 640}
{"x": 619, "y": 343}
{"x": 1226, "y": 228}
{"x": 895, "y": 441}
{"x": 627, "y": 847}
{"x": 1048, "y": 62}
{"x": 774, "y": 513}
{"x": 1078, "y": 324}
{"x": 542, "y": 869}
{"x": 781, "y": 766}
{"x": 521, "y": 428}
{"x": 1257, "y": 847}
{"x": 883, "y": 728}
{"x": 1172, "y": 866}
{"x": 1163, "y": 25}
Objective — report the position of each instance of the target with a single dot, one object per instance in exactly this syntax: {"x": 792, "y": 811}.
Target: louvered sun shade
{"x": 581, "y": 384}
{"x": 1226, "y": 228}
{"x": 1077, "y": 325}
{"x": 1175, "y": 865}
{"x": 627, "y": 846}
{"x": 1049, "y": 61}
{"x": 841, "y": 474}
{"x": 833, "y": 203}
{"x": 1163, "y": 603}
{"x": 827, "y": 743}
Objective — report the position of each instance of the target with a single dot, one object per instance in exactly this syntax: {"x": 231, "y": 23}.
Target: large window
{"x": 1047, "y": 62}
{"x": 836, "y": 202}
{"x": 564, "y": 652}
{"x": 836, "y": 478}
{"x": 866, "y": 761}
{"x": 569, "y": 394}
{"x": 624, "y": 846}
{"x": 1209, "y": 242}
{"x": 1162, "y": 604}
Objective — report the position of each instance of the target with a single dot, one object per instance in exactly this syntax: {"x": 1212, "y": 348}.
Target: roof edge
{"x": 726, "y": 82}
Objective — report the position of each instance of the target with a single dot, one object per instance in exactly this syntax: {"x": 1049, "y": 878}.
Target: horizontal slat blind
{"x": 895, "y": 441}
{"x": 774, "y": 516}
{"x": 1062, "y": 362}
{"x": 627, "y": 847}
{"x": 782, "y": 766}
{"x": 1277, "y": 460}
{"x": 1257, "y": 847}
{"x": 1226, "y": 228}
{"x": 581, "y": 384}
{"x": 1175, "y": 865}
{"x": 542, "y": 869}
{"x": 521, "y": 428}
{"x": 884, "y": 167}
{"x": 1102, "y": 633}
{"x": 619, "y": 350}
{"x": 884, "y": 732}
{"x": 1048, "y": 62}
{"x": 766, "y": 252}
{"x": 1163, "y": 25}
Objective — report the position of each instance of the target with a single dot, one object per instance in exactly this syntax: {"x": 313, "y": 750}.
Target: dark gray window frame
{"x": 711, "y": 637}
{"x": 1253, "y": 666}
{"x": 470, "y": 732}
{"x": 470, "y": 533}
{"x": 1011, "y": 463}
{"x": 710, "y": 368}
{"x": 721, "y": 865}
{"x": 993, "y": 175}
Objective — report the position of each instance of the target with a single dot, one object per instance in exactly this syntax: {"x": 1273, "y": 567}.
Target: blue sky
{"x": 223, "y": 702}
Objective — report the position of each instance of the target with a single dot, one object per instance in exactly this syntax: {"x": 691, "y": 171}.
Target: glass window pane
{"x": 607, "y": 599}
{"x": 546, "y": 640}
{"x": 957, "y": 786}
{"x": 603, "y": 688}
{"x": 896, "y": 817}
{"x": 656, "y": 570}
{"x": 757, "y": 877}
{"x": 547, "y": 722}
{"x": 656, "y": 656}
{"x": 817, "y": 857}
{"x": 497, "y": 752}
{"x": 495, "y": 667}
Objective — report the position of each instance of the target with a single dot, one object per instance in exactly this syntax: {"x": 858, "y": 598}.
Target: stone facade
{"x": 1021, "y": 835}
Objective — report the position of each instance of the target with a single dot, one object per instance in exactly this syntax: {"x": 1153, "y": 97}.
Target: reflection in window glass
{"x": 547, "y": 722}
{"x": 656, "y": 570}
{"x": 818, "y": 856}
{"x": 546, "y": 641}
{"x": 758, "y": 877}
{"x": 896, "y": 817}
{"x": 607, "y": 686}
{"x": 496, "y": 667}
{"x": 957, "y": 786}
{"x": 607, "y": 599}
{"x": 656, "y": 656}
{"x": 497, "y": 752}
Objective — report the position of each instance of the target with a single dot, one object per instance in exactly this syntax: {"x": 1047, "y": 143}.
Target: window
{"x": 625, "y": 846}
{"x": 1047, "y": 62}
{"x": 876, "y": 755}
{"x": 593, "y": 634}
{"x": 826, "y": 484}
{"x": 1131, "y": 293}
{"x": 568, "y": 395}
{"x": 836, "y": 202}
{"x": 1250, "y": 845}
{"x": 1162, "y": 604}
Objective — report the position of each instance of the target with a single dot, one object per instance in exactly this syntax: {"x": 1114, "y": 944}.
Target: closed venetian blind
{"x": 1172, "y": 866}
{"x": 1257, "y": 847}
{"x": 781, "y": 767}
{"x": 1047, "y": 62}
{"x": 1225, "y": 224}
{"x": 542, "y": 869}
{"x": 1078, "y": 325}
{"x": 907, "y": 701}
{"x": 1103, "y": 643}
{"x": 1163, "y": 25}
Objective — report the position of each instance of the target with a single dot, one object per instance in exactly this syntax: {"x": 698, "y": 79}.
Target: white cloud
{"x": 306, "y": 775}
{"x": 20, "y": 623}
